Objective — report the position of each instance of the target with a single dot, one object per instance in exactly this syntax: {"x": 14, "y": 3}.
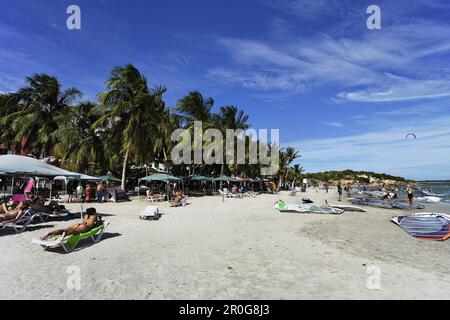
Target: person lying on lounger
{"x": 90, "y": 221}
{"x": 53, "y": 207}
{"x": 153, "y": 196}
{"x": 3, "y": 207}
{"x": 13, "y": 213}
{"x": 178, "y": 200}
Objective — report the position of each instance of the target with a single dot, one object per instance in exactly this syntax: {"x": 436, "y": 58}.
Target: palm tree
{"x": 229, "y": 117}
{"x": 131, "y": 115}
{"x": 7, "y": 132}
{"x": 39, "y": 104}
{"x": 194, "y": 107}
{"x": 296, "y": 173}
{"x": 287, "y": 157}
{"x": 80, "y": 144}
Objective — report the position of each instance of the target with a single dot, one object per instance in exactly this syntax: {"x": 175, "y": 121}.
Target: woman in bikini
{"x": 90, "y": 221}
{"x": 13, "y": 213}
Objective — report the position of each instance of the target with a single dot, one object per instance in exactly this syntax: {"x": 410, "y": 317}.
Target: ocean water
{"x": 440, "y": 189}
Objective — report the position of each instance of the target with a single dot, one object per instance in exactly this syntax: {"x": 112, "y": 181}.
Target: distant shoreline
{"x": 433, "y": 181}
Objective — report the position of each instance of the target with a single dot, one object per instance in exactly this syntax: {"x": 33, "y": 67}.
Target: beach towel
{"x": 19, "y": 198}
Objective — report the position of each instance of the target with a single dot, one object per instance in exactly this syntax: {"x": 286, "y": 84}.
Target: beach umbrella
{"x": 108, "y": 178}
{"x": 163, "y": 177}
{"x": 226, "y": 179}
{"x": 199, "y": 178}
{"x": 20, "y": 166}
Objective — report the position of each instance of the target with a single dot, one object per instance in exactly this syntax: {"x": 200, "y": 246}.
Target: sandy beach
{"x": 237, "y": 249}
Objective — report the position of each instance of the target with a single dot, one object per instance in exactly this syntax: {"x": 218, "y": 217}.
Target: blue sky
{"x": 345, "y": 96}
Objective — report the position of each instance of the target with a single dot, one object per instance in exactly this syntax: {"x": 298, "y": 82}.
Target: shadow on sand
{"x": 85, "y": 243}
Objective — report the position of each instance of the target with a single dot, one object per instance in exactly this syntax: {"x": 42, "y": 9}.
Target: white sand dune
{"x": 239, "y": 249}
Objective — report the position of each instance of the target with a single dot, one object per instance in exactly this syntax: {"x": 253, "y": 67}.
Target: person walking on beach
{"x": 339, "y": 188}
{"x": 410, "y": 192}
{"x": 69, "y": 192}
{"x": 349, "y": 190}
{"x": 327, "y": 187}
{"x": 99, "y": 192}
{"x": 80, "y": 192}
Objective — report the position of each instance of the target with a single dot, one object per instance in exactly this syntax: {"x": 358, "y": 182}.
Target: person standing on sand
{"x": 99, "y": 192}
{"x": 410, "y": 192}
{"x": 349, "y": 190}
{"x": 87, "y": 193}
{"x": 80, "y": 192}
{"x": 339, "y": 188}
{"x": 327, "y": 187}
{"x": 69, "y": 192}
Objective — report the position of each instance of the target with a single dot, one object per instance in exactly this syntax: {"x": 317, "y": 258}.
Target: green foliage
{"x": 358, "y": 176}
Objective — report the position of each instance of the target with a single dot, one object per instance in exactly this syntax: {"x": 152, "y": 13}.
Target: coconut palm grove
{"x": 126, "y": 131}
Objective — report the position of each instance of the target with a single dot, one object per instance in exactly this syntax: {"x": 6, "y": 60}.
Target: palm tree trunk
{"x": 285, "y": 180}
{"x": 124, "y": 169}
{"x": 222, "y": 168}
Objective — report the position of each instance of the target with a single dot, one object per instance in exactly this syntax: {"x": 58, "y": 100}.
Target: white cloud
{"x": 401, "y": 63}
{"x": 334, "y": 124}
{"x": 400, "y": 89}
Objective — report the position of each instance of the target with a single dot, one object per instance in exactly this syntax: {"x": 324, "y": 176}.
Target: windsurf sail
{"x": 306, "y": 208}
{"x": 433, "y": 227}
{"x": 386, "y": 204}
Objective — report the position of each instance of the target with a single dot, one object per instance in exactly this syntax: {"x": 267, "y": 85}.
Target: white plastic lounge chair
{"x": 19, "y": 225}
{"x": 250, "y": 194}
{"x": 150, "y": 213}
{"x": 223, "y": 194}
{"x": 228, "y": 194}
{"x": 154, "y": 199}
{"x": 69, "y": 243}
{"x": 45, "y": 215}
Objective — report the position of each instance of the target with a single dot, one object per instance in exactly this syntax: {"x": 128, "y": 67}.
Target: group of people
{"x": 179, "y": 199}
{"x": 389, "y": 193}
{"x": 347, "y": 188}
{"x": 16, "y": 209}
{"x": 89, "y": 193}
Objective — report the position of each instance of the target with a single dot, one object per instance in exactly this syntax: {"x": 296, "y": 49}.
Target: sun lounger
{"x": 70, "y": 243}
{"x": 228, "y": 194}
{"x": 45, "y": 215}
{"x": 155, "y": 199}
{"x": 249, "y": 194}
{"x": 150, "y": 213}
{"x": 19, "y": 225}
